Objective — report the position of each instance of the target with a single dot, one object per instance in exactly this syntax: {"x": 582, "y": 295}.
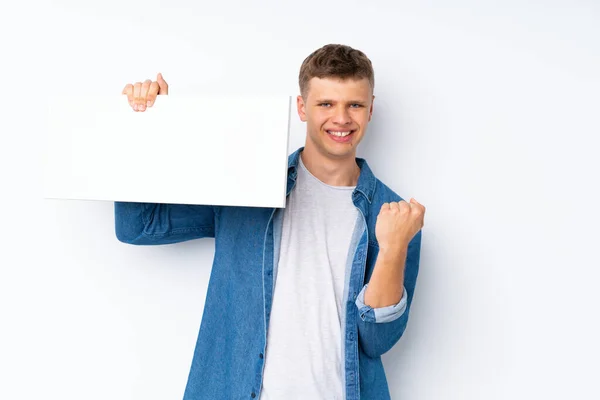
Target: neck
{"x": 332, "y": 171}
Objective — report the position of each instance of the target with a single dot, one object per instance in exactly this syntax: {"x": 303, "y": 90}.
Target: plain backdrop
{"x": 486, "y": 112}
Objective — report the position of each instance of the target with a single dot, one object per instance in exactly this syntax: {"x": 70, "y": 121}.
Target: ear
{"x": 371, "y": 108}
{"x": 301, "y": 108}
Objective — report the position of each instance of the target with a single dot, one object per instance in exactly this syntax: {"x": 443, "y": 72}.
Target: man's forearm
{"x": 386, "y": 285}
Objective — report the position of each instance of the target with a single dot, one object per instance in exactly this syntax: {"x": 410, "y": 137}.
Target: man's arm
{"x": 385, "y": 302}
{"x": 381, "y": 323}
{"x": 386, "y": 286}
{"x": 154, "y": 224}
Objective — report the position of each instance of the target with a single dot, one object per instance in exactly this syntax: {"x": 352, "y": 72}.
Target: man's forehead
{"x": 331, "y": 86}
{"x": 334, "y": 81}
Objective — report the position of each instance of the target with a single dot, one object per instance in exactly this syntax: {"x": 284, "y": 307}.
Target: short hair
{"x": 335, "y": 61}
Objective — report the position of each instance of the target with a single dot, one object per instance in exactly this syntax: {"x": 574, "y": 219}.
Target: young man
{"x": 302, "y": 301}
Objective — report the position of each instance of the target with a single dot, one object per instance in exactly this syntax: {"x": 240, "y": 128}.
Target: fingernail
{"x": 148, "y": 103}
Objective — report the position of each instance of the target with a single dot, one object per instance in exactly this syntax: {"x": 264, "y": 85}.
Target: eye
{"x": 357, "y": 105}
{"x": 324, "y": 104}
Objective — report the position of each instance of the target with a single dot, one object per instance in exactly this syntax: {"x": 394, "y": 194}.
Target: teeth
{"x": 340, "y": 134}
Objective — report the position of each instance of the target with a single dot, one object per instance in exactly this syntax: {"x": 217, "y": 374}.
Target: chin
{"x": 340, "y": 152}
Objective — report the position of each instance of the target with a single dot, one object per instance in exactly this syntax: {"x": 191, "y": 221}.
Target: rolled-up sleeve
{"x": 380, "y": 314}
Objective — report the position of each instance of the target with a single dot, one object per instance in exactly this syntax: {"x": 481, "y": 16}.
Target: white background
{"x": 487, "y": 112}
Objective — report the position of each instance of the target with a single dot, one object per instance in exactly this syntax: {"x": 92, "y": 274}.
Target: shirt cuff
{"x": 381, "y": 314}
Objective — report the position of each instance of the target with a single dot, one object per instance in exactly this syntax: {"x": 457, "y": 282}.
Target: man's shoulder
{"x": 384, "y": 194}
{"x": 376, "y": 190}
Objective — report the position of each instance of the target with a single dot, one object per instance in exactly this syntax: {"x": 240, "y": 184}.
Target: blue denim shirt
{"x": 229, "y": 358}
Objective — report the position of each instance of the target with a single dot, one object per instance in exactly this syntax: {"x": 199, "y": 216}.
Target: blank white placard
{"x": 211, "y": 149}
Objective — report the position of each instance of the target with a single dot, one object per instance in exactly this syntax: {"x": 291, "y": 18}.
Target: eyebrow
{"x": 333, "y": 101}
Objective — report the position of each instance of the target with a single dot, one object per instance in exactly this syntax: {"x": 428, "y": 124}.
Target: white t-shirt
{"x": 304, "y": 351}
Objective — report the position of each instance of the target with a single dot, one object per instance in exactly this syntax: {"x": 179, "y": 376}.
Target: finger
{"x": 137, "y": 88}
{"x": 145, "y": 87}
{"x": 385, "y": 206}
{"x": 144, "y": 94}
{"x": 128, "y": 90}
{"x": 162, "y": 84}
{"x": 395, "y": 206}
{"x": 417, "y": 204}
{"x": 413, "y": 201}
{"x": 402, "y": 203}
{"x": 152, "y": 92}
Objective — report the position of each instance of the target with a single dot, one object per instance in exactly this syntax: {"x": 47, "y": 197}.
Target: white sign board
{"x": 218, "y": 150}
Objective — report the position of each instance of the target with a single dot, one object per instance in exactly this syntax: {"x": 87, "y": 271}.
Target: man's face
{"x": 337, "y": 113}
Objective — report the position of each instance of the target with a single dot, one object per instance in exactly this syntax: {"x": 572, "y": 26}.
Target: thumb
{"x": 163, "y": 87}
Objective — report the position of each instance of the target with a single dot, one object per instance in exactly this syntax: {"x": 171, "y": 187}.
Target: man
{"x": 302, "y": 301}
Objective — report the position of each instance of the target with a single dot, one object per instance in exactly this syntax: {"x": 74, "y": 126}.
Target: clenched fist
{"x": 143, "y": 94}
{"x": 398, "y": 223}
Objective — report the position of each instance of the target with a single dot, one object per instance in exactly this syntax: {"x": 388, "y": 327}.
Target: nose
{"x": 342, "y": 116}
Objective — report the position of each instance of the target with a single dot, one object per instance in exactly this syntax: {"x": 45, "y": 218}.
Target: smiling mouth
{"x": 340, "y": 133}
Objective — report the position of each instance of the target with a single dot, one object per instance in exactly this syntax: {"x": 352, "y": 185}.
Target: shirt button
{"x": 261, "y": 356}
{"x": 253, "y": 395}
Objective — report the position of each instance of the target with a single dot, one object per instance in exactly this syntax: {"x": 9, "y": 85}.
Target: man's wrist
{"x": 393, "y": 253}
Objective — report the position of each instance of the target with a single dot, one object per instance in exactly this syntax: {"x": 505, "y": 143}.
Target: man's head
{"x": 336, "y": 86}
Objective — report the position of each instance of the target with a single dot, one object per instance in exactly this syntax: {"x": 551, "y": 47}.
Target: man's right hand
{"x": 143, "y": 94}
